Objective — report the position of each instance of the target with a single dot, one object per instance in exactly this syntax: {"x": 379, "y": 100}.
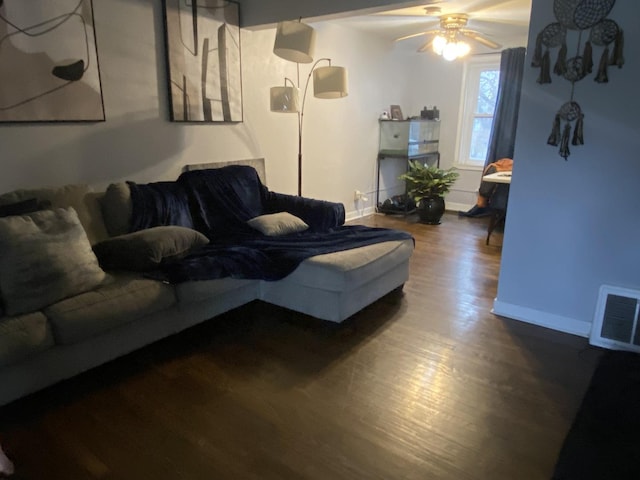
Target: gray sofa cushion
{"x": 147, "y": 249}
{"x": 125, "y": 299}
{"x": 200, "y": 291}
{"x": 46, "y": 257}
{"x": 348, "y": 269}
{"x": 80, "y": 197}
{"x": 23, "y": 336}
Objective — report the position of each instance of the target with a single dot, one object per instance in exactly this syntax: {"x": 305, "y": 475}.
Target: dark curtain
{"x": 505, "y": 120}
{"x": 503, "y": 132}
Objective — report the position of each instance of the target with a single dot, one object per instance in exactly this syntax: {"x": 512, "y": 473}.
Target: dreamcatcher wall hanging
{"x": 589, "y": 19}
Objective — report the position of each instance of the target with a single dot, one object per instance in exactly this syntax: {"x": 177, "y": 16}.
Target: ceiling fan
{"x": 448, "y": 40}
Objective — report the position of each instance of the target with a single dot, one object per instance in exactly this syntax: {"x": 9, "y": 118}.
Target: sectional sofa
{"x": 51, "y": 330}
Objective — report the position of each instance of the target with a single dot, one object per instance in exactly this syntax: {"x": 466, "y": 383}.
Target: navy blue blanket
{"x": 222, "y": 200}
{"x": 157, "y": 204}
{"x": 272, "y": 258}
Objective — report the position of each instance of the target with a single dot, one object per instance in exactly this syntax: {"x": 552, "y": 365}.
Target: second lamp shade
{"x": 330, "y": 82}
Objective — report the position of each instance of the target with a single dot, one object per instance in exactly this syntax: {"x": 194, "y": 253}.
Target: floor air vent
{"x": 615, "y": 325}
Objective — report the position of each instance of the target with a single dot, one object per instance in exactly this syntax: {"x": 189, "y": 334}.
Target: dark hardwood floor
{"x": 426, "y": 384}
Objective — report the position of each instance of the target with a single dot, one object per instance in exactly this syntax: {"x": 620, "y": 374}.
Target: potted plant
{"x": 427, "y": 185}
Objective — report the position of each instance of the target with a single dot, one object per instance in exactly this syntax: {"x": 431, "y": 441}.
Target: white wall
{"x": 435, "y": 81}
{"x": 137, "y": 142}
{"x": 340, "y": 137}
{"x": 573, "y": 225}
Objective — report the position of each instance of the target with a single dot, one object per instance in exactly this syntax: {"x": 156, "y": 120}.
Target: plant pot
{"x": 431, "y": 210}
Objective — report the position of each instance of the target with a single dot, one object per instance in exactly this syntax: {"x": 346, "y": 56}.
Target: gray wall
{"x": 574, "y": 225}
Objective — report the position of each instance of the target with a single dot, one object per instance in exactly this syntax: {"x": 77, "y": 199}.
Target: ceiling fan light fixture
{"x": 463, "y": 49}
{"x": 438, "y": 44}
{"x": 450, "y": 51}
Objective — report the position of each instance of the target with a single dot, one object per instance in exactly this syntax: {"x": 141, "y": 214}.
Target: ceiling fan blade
{"x": 475, "y": 6}
{"x": 494, "y": 22}
{"x": 413, "y": 11}
{"x": 428, "y": 46}
{"x": 478, "y": 37}
{"x": 414, "y": 35}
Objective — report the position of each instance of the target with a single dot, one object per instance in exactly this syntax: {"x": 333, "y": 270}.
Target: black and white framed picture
{"x": 203, "y": 57}
{"x": 49, "y": 62}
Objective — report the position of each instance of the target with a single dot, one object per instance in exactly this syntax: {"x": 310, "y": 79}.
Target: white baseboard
{"x": 355, "y": 214}
{"x": 457, "y": 207}
{"x": 542, "y": 319}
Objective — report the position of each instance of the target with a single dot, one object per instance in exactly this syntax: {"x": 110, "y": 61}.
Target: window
{"x": 479, "y": 92}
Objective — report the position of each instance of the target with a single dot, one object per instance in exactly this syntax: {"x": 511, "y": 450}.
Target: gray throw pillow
{"x": 20, "y": 208}
{"x": 275, "y": 224}
{"x": 78, "y": 196}
{"x": 147, "y": 249}
{"x": 44, "y": 257}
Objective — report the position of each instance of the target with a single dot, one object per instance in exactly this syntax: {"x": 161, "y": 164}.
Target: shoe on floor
{"x": 475, "y": 212}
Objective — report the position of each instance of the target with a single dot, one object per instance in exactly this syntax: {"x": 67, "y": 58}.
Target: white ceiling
{"x": 503, "y": 21}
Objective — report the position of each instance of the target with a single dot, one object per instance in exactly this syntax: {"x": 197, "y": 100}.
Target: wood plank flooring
{"x": 426, "y": 384}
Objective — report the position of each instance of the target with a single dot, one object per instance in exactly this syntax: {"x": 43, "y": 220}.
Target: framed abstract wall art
{"x": 49, "y": 62}
{"x": 203, "y": 57}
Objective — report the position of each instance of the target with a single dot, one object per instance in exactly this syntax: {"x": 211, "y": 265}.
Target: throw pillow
{"x": 46, "y": 256}
{"x": 275, "y": 224}
{"x": 21, "y": 208}
{"x": 146, "y": 249}
{"x": 78, "y": 196}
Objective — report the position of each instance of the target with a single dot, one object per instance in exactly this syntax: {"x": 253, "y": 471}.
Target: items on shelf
{"x": 430, "y": 113}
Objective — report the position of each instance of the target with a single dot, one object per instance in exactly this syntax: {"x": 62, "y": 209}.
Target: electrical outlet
{"x": 359, "y": 196}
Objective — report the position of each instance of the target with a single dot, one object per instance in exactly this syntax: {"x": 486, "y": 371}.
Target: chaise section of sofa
{"x": 334, "y": 286}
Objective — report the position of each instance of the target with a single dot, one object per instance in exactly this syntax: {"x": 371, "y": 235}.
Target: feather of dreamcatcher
{"x": 564, "y": 143}
{"x": 554, "y": 137}
{"x": 602, "y": 76}
{"x": 618, "y": 57}
{"x": 561, "y": 63}
{"x": 578, "y": 135}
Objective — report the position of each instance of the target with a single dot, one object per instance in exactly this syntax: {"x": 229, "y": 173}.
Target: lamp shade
{"x": 330, "y": 82}
{"x": 284, "y": 99}
{"x": 295, "y": 41}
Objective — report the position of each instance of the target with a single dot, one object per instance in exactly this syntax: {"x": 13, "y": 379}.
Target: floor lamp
{"x": 295, "y": 42}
